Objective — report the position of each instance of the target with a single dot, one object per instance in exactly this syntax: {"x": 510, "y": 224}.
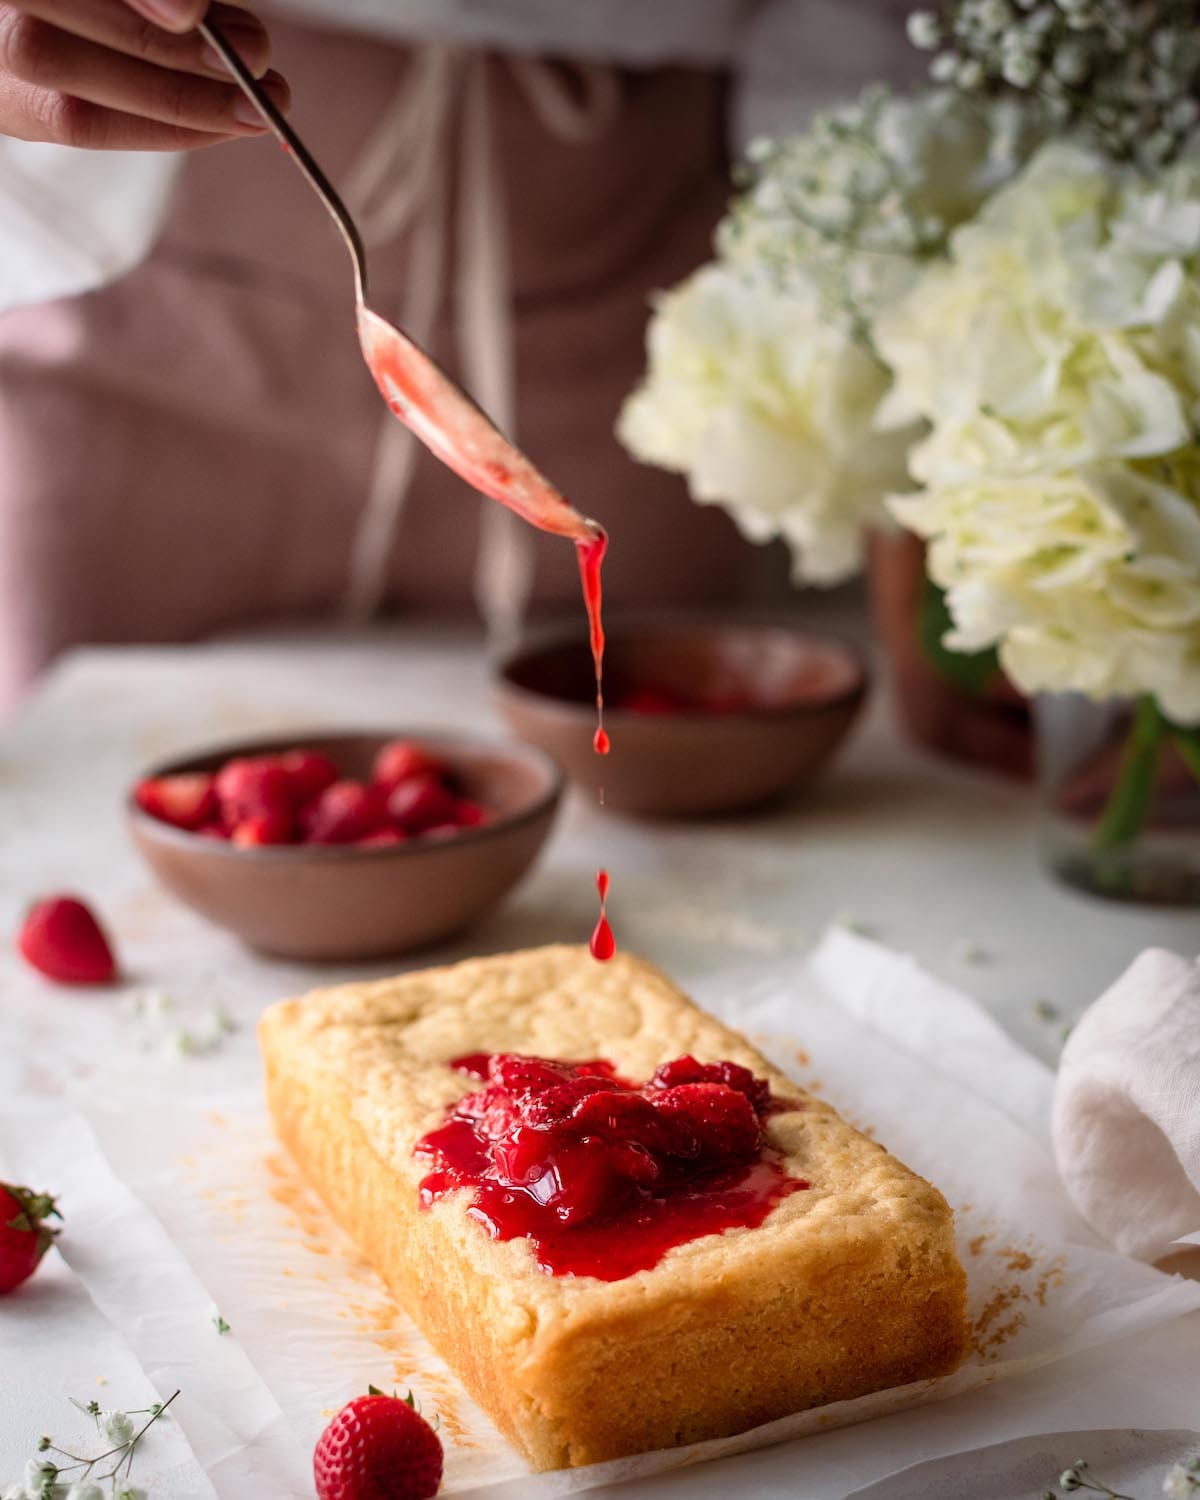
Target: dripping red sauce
{"x": 455, "y": 431}
{"x": 602, "y": 1177}
{"x": 591, "y": 560}
{"x": 603, "y": 944}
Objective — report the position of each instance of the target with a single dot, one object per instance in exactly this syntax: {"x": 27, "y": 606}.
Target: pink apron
{"x": 195, "y": 447}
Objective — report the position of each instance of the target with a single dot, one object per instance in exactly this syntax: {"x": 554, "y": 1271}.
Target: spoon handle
{"x": 295, "y": 148}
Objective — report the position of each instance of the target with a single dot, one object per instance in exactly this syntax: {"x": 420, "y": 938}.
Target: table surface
{"x": 930, "y": 858}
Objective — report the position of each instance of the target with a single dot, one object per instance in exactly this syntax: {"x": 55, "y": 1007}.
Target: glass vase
{"x": 1120, "y": 799}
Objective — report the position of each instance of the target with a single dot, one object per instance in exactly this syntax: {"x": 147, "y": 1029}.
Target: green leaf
{"x": 373, "y": 1390}
{"x": 969, "y": 670}
{"x": 220, "y": 1324}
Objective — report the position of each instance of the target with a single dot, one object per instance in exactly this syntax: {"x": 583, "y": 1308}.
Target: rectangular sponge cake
{"x": 850, "y": 1287}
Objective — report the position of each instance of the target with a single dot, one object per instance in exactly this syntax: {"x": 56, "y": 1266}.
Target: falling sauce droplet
{"x": 600, "y": 741}
{"x": 603, "y": 943}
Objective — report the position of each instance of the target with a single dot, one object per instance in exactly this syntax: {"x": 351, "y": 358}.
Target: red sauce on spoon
{"x": 456, "y": 431}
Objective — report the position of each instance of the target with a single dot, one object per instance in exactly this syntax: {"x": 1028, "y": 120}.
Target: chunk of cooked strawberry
{"x": 491, "y": 1110}
{"x": 557, "y": 1103}
{"x": 687, "y": 1070}
{"x": 623, "y": 1116}
{"x": 720, "y": 1123}
{"x": 188, "y": 800}
{"x": 526, "y": 1075}
{"x": 581, "y": 1182}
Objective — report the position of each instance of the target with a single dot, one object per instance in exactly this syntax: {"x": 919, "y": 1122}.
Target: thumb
{"x": 172, "y": 15}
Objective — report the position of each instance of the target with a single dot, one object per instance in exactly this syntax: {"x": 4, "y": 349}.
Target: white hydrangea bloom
{"x": 1056, "y": 356}
{"x": 767, "y": 406}
{"x": 1088, "y": 581}
{"x": 1063, "y": 329}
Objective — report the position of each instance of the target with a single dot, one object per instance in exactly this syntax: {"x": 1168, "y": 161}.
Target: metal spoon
{"x": 421, "y": 394}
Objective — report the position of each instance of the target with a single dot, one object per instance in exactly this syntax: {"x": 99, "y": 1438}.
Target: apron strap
{"x": 400, "y": 183}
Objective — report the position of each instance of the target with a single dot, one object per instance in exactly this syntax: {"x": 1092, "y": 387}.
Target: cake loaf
{"x": 848, "y": 1284}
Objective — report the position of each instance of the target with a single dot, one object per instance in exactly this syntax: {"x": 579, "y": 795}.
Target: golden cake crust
{"x": 850, "y": 1287}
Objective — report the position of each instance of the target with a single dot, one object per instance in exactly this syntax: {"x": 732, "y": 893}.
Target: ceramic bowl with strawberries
{"x": 704, "y": 717}
{"x": 343, "y": 846}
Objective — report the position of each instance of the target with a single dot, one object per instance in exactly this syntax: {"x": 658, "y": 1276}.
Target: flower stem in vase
{"x": 1125, "y": 812}
{"x": 1187, "y": 742}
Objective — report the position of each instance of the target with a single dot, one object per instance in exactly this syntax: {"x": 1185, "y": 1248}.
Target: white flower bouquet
{"x": 976, "y": 311}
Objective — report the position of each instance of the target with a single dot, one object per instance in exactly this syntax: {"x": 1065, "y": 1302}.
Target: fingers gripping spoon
{"x": 424, "y": 398}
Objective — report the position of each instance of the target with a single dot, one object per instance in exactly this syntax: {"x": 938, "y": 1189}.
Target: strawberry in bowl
{"x": 347, "y": 845}
{"x": 299, "y": 795}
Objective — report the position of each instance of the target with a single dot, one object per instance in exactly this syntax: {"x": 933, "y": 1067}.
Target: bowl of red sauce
{"x": 348, "y": 845}
{"x": 703, "y": 719}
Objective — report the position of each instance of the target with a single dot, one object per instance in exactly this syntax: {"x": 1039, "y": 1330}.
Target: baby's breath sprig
{"x": 1125, "y": 72}
{"x": 1181, "y": 1483}
{"x": 81, "y": 1478}
{"x": 854, "y": 205}
{"x": 1079, "y": 1477}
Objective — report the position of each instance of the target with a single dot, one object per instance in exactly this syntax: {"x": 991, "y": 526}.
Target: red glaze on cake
{"x": 604, "y": 1177}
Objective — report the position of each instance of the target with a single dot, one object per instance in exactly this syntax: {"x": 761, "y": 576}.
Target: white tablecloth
{"x": 934, "y": 860}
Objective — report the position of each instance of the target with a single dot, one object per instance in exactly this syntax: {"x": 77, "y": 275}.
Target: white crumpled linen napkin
{"x": 1127, "y": 1108}
{"x": 221, "y": 1218}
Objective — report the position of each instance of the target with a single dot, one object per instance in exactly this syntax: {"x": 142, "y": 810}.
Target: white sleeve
{"x": 73, "y": 220}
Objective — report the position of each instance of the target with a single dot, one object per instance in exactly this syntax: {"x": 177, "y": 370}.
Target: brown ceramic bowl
{"x": 342, "y": 902}
{"x": 789, "y": 700}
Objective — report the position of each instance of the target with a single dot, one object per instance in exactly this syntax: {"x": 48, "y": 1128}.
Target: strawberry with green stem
{"x": 25, "y": 1235}
{"x": 378, "y": 1447}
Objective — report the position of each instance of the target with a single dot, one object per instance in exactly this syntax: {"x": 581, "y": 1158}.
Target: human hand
{"x": 128, "y": 75}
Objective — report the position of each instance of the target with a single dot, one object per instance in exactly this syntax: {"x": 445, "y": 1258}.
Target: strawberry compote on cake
{"x": 603, "y": 1176}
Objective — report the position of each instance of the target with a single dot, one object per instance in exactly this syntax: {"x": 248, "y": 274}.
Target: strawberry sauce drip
{"x": 591, "y": 562}
{"x": 604, "y": 1178}
{"x": 603, "y": 944}
{"x": 454, "y": 429}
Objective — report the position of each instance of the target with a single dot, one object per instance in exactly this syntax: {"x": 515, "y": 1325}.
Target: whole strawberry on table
{"x": 378, "y": 1448}
{"x": 62, "y": 939}
{"x": 25, "y": 1235}
{"x": 300, "y": 796}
